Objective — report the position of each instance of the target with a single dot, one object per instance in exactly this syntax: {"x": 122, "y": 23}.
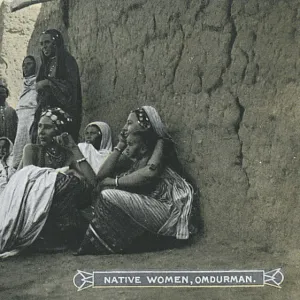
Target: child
{"x": 5, "y": 158}
{"x": 140, "y": 146}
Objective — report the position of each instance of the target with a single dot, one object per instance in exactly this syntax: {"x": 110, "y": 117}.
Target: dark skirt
{"x": 65, "y": 225}
{"x": 121, "y": 218}
{"x": 110, "y": 231}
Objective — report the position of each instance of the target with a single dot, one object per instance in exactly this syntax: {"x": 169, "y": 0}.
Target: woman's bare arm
{"x": 77, "y": 161}
{"x": 83, "y": 166}
{"x": 138, "y": 178}
{"x": 145, "y": 174}
{"x": 30, "y": 154}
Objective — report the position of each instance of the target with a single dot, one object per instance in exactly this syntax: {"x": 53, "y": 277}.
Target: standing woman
{"x": 58, "y": 81}
{"x": 25, "y": 108}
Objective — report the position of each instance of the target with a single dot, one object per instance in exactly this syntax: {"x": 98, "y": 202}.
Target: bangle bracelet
{"x": 118, "y": 149}
{"x": 117, "y": 181}
{"x": 81, "y": 160}
{"x": 152, "y": 167}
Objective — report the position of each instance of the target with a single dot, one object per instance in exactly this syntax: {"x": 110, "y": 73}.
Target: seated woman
{"x": 97, "y": 145}
{"x": 38, "y": 198}
{"x": 149, "y": 197}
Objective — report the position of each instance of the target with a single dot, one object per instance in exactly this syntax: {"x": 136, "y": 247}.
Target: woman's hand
{"x": 122, "y": 141}
{"x": 42, "y": 84}
{"x": 66, "y": 141}
{"x": 74, "y": 173}
{"x": 106, "y": 182}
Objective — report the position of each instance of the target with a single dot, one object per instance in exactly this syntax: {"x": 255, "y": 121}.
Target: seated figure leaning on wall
{"x": 149, "y": 197}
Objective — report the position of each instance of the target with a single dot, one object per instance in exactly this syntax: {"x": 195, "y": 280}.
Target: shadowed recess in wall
{"x": 65, "y": 11}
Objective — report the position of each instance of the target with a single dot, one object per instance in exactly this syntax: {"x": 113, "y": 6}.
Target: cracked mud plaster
{"x": 224, "y": 75}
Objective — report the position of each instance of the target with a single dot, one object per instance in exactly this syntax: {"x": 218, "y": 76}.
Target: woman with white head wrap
{"x": 25, "y": 108}
{"x": 97, "y": 145}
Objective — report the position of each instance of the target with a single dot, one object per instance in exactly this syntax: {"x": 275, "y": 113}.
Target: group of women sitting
{"x": 89, "y": 197}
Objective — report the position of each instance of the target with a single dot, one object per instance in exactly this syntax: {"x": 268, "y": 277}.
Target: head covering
{"x": 156, "y": 123}
{"x": 60, "y": 54}
{"x": 170, "y": 153}
{"x": 95, "y": 157}
{"x": 142, "y": 117}
{"x": 59, "y": 118}
{"x": 29, "y": 86}
{"x": 35, "y": 64}
{"x": 106, "y": 140}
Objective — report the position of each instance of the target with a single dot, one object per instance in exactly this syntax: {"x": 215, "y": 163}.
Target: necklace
{"x": 52, "y": 158}
{"x": 52, "y": 151}
{"x": 2, "y": 116}
{"x": 51, "y": 66}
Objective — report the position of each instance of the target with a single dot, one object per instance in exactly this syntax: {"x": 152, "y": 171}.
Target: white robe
{"x": 95, "y": 157}
{"x": 25, "y": 203}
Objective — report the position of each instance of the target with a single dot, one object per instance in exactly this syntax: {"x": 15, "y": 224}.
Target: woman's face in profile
{"x": 92, "y": 135}
{"x": 132, "y": 124}
{"x": 46, "y": 130}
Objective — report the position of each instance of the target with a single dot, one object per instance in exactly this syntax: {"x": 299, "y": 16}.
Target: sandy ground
{"x": 50, "y": 276}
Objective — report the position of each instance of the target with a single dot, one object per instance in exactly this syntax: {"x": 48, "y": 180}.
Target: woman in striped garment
{"x": 149, "y": 197}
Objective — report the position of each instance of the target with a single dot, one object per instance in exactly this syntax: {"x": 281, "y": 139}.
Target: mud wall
{"x": 224, "y": 75}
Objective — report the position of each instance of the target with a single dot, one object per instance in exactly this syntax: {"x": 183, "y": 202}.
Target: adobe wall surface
{"x": 224, "y": 75}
